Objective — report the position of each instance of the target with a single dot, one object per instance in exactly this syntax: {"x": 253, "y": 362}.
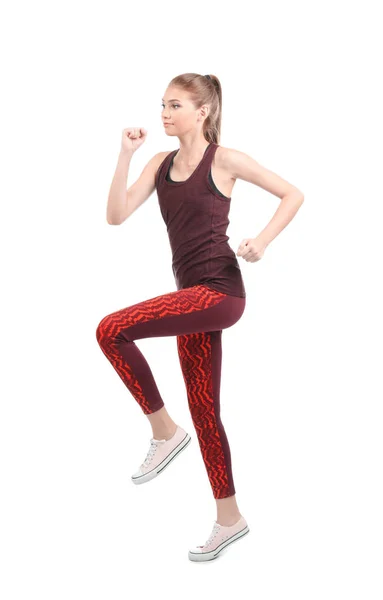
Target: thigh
{"x": 190, "y": 310}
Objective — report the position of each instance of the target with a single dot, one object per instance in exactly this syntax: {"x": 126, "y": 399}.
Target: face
{"x": 179, "y": 112}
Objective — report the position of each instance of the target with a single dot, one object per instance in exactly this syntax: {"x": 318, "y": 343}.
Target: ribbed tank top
{"x": 196, "y": 215}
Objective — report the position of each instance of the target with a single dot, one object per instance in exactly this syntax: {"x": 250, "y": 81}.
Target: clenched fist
{"x": 132, "y": 138}
{"x": 251, "y": 249}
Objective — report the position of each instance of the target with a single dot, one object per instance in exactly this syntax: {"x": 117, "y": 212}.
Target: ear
{"x": 204, "y": 110}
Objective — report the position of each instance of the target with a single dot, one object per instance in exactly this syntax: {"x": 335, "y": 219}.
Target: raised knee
{"x": 102, "y": 329}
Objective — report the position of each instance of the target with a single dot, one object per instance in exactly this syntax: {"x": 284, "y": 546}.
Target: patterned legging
{"x": 196, "y": 315}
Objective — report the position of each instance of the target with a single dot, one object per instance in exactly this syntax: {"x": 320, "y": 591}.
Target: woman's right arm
{"x": 117, "y": 199}
{"x": 123, "y": 202}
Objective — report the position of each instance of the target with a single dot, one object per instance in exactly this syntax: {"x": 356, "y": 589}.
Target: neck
{"x": 190, "y": 153}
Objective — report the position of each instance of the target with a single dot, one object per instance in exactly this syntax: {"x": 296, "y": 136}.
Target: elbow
{"x": 113, "y": 220}
{"x": 299, "y": 197}
{"x": 295, "y": 195}
{"x": 117, "y": 219}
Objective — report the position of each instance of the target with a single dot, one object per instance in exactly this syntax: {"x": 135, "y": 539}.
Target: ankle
{"x": 165, "y": 434}
{"x": 228, "y": 520}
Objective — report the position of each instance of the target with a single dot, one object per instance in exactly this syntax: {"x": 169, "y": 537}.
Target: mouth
{"x": 166, "y": 124}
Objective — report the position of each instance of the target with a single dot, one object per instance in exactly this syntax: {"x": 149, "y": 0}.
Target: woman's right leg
{"x": 194, "y": 309}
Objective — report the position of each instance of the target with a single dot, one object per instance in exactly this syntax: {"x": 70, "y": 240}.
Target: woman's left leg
{"x": 200, "y": 356}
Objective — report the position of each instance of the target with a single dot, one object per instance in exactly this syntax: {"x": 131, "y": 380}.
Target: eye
{"x": 172, "y": 105}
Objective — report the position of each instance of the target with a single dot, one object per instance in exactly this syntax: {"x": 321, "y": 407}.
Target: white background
{"x": 301, "y": 375}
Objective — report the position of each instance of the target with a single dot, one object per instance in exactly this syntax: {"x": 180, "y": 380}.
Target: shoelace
{"x": 212, "y": 535}
{"x": 152, "y": 450}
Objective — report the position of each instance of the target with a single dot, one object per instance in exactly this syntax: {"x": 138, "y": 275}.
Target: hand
{"x": 132, "y": 138}
{"x": 251, "y": 249}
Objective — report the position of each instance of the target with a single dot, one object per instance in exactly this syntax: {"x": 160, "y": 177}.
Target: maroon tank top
{"x": 196, "y": 217}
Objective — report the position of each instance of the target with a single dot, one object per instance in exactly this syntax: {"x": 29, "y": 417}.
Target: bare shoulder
{"x": 243, "y": 166}
{"x": 228, "y": 159}
{"x": 164, "y": 153}
{"x": 160, "y": 156}
{"x": 222, "y": 155}
{"x": 224, "y": 160}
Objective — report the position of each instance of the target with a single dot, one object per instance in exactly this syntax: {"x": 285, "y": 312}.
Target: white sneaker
{"x": 221, "y": 537}
{"x": 160, "y": 454}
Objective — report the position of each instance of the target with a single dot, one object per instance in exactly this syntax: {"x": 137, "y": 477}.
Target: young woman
{"x": 194, "y": 184}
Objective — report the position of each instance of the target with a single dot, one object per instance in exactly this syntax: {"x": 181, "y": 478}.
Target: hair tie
{"x": 208, "y": 76}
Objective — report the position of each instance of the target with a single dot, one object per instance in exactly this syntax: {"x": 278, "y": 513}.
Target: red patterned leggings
{"x": 196, "y": 315}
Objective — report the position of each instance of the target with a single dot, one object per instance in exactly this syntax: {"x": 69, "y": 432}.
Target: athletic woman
{"x": 194, "y": 185}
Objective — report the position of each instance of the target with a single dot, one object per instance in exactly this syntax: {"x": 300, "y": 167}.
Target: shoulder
{"x": 238, "y": 164}
{"x": 160, "y": 156}
{"x": 227, "y": 159}
{"x": 243, "y": 166}
{"x": 157, "y": 162}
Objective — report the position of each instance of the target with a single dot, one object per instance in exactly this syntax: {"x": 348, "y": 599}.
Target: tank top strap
{"x": 164, "y": 167}
{"x": 205, "y": 165}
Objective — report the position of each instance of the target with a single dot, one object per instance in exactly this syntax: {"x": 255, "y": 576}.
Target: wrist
{"x": 126, "y": 153}
{"x": 263, "y": 240}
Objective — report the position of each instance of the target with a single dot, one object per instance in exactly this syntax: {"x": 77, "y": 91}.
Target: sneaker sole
{"x": 163, "y": 464}
{"x": 202, "y": 556}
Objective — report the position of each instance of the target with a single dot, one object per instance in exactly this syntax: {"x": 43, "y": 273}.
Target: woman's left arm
{"x": 243, "y": 166}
